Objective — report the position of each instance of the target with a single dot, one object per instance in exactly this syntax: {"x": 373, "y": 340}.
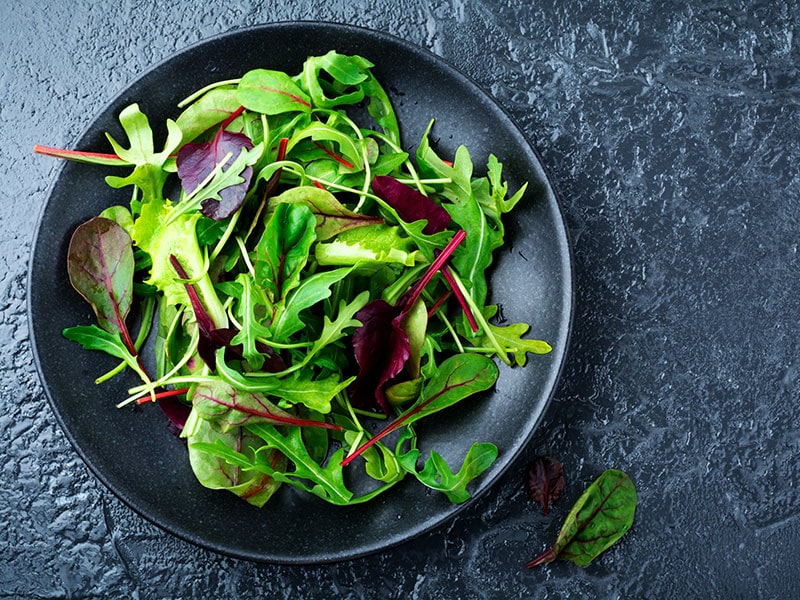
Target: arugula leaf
{"x": 309, "y": 292}
{"x": 150, "y": 171}
{"x": 326, "y": 482}
{"x": 436, "y": 473}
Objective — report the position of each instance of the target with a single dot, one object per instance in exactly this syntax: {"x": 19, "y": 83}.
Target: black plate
{"x": 132, "y": 452}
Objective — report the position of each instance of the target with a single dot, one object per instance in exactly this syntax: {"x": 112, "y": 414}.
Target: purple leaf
{"x": 410, "y": 204}
{"x": 195, "y": 161}
{"x": 381, "y": 349}
{"x": 545, "y": 481}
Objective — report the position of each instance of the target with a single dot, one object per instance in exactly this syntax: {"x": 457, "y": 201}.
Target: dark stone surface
{"x": 671, "y": 132}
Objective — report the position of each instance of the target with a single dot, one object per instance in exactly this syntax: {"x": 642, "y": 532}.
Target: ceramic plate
{"x": 131, "y": 450}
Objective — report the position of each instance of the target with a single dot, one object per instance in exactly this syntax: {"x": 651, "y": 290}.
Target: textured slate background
{"x": 671, "y": 131}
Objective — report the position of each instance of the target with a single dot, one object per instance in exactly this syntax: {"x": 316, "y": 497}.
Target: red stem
{"x": 335, "y": 156}
{"x": 546, "y": 557}
{"x": 161, "y": 395}
{"x": 231, "y": 118}
{"x": 437, "y": 264}
{"x": 448, "y": 275}
{"x": 75, "y": 154}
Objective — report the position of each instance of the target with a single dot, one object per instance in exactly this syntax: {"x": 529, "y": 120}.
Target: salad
{"x": 294, "y": 289}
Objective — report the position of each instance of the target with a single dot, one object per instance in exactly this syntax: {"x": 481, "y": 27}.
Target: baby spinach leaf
{"x": 332, "y": 217}
{"x": 599, "y": 518}
{"x": 100, "y": 266}
{"x": 272, "y": 93}
{"x": 545, "y": 481}
{"x": 283, "y": 249}
{"x": 91, "y": 337}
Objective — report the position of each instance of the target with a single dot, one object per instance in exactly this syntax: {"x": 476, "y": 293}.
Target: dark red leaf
{"x": 195, "y": 161}
{"x": 410, "y": 204}
{"x": 545, "y": 481}
{"x": 381, "y": 349}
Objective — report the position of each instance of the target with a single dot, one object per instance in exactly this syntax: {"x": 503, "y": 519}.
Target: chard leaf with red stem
{"x": 100, "y": 265}
{"x": 216, "y": 473}
{"x": 458, "y": 377}
{"x": 230, "y": 408}
{"x": 599, "y": 518}
{"x": 381, "y": 346}
{"x": 545, "y": 481}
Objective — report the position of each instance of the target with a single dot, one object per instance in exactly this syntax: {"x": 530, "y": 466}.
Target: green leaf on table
{"x": 599, "y": 518}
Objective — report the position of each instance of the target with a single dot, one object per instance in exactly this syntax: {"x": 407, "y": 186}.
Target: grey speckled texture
{"x": 672, "y": 134}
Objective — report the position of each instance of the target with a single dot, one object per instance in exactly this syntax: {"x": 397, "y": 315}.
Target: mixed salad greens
{"x": 310, "y": 291}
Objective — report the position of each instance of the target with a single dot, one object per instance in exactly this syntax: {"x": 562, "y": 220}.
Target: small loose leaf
{"x": 545, "y": 481}
{"x": 100, "y": 265}
{"x": 599, "y": 518}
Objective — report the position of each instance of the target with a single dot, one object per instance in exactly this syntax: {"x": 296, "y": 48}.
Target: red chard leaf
{"x": 381, "y": 348}
{"x": 545, "y": 481}
{"x": 100, "y": 265}
{"x": 410, "y": 204}
{"x": 196, "y": 161}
